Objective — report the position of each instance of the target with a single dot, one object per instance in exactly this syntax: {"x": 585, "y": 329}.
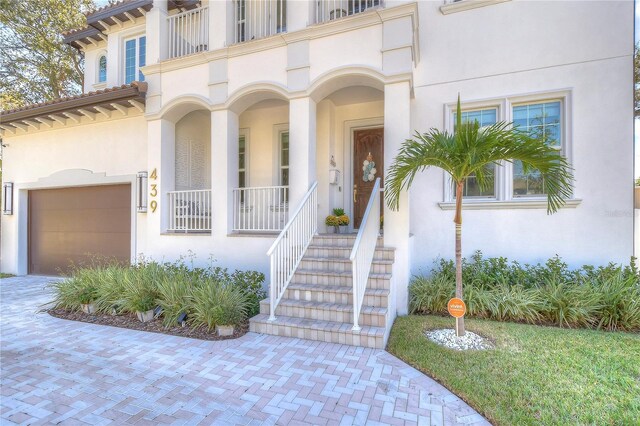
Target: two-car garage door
{"x": 78, "y": 225}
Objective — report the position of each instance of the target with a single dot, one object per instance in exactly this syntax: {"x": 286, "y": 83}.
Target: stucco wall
{"x": 486, "y": 59}
{"x": 83, "y": 154}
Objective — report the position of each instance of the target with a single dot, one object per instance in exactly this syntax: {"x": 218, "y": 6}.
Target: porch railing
{"x": 190, "y": 211}
{"x": 260, "y": 208}
{"x": 288, "y": 249}
{"x": 188, "y": 32}
{"x": 328, "y": 10}
{"x": 363, "y": 250}
{"x": 255, "y": 19}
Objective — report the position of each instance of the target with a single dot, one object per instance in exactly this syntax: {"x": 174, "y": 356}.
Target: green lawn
{"x": 535, "y": 375}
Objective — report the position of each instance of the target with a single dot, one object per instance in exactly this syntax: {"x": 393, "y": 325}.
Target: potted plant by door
{"x": 332, "y": 223}
{"x": 342, "y": 219}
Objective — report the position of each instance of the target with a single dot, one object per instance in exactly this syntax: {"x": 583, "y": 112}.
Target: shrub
{"x": 569, "y": 305}
{"x": 72, "y": 293}
{"x": 174, "y": 292}
{"x": 619, "y": 302}
{"x": 606, "y": 297}
{"x": 110, "y": 281}
{"x": 251, "y": 283}
{"x": 430, "y": 294}
{"x": 140, "y": 287}
{"x": 215, "y": 303}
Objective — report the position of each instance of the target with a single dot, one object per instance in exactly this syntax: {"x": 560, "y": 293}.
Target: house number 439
{"x": 153, "y": 191}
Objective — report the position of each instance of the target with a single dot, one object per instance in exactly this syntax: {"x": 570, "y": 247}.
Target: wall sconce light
{"x": 7, "y": 198}
{"x": 141, "y": 191}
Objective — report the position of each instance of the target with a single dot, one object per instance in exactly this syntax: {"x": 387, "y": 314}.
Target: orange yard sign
{"x": 456, "y": 307}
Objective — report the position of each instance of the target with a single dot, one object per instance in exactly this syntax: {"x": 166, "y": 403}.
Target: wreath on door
{"x": 369, "y": 169}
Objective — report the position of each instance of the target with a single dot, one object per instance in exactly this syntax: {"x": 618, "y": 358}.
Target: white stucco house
{"x": 233, "y": 128}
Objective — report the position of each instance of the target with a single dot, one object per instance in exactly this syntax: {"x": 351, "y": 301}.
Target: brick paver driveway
{"x": 55, "y": 371}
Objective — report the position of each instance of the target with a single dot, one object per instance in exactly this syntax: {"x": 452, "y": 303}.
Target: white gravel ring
{"x": 470, "y": 341}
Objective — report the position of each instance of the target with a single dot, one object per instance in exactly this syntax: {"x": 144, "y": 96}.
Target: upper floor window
{"x": 135, "y": 57}
{"x": 102, "y": 69}
{"x": 541, "y": 120}
{"x": 484, "y": 117}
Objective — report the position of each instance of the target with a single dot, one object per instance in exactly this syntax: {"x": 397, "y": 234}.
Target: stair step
{"x": 323, "y": 331}
{"x": 337, "y": 312}
{"x": 332, "y": 278}
{"x": 335, "y": 294}
{"x": 336, "y": 264}
{"x": 381, "y": 253}
{"x": 338, "y": 240}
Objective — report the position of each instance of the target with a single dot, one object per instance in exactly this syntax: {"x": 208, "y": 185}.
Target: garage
{"x": 75, "y": 226}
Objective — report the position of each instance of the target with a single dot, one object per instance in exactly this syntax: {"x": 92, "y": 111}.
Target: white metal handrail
{"x": 363, "y": 250}
{"x": 255, "y": 19}
{"x": 188, "y": 32}
{"x": 328, "y": 10}
{"x": 190, "y": 211}
{"x": 260, "y": 208}
{"x": 288, "y": 249}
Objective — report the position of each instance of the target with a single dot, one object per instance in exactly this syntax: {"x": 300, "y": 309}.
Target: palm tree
{"x": 468, "y": 152}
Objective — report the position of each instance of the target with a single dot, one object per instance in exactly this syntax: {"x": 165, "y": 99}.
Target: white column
{"x": 157, "y": 33}
{"x": 224, "y": 170}
{"x": 161, "y": 158}
{"x": 221, "y": 25}
{"x": 300, "y": 14}
{"x": 302, "y": 148}
{"x": 397, "y": 128}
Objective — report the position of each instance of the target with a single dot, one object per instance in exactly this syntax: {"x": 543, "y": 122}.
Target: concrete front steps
{"x": 318, "y": 303}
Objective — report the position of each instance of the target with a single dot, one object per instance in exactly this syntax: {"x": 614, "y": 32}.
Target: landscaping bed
{"x": 206, "y": 303}
{"x": 130, "y": 321}
{"x": 534, "y": 375}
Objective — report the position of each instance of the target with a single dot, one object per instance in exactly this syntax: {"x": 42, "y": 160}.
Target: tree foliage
{"x": 35, "y": 65}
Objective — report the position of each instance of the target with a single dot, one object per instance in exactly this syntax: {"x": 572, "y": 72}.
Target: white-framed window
{"x": 544, "y": 114}
{"x": 243, "y": 159}
{"x": 102, "y": 68}
{"x": 135, "y": 52}
{"x": 283, "y": 151}
{"x": 484, "y": 117}
{"x": 541, "y": 119}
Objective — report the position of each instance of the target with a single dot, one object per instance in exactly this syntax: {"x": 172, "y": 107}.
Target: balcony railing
{"x": 256, "y": 19}
{"x": 328, "y": 10}
{"x": 262, "y": 209}
{"x": 188, "y": 32}
{"x": 190, "y": 211}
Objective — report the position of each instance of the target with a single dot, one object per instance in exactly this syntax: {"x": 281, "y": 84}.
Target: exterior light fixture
{"x": 7, "y": 198}
{"x": 141, "y": 191}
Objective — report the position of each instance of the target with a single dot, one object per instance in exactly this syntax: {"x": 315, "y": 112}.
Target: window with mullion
{"x": 541, "y": 120}
{"x": 135, "y": 57}
{"x": 484, "y": 117}
{"x": 102, "y": 69}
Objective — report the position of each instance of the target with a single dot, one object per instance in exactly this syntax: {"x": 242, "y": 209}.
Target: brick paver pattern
{"x": 56, "y": 371}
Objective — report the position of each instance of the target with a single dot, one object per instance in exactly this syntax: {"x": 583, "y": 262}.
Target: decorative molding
{"x": 462, "y": 5}
{"x": 538, "y": 203}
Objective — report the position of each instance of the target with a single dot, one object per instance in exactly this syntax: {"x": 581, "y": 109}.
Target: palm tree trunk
{"x": 458, "y": 221}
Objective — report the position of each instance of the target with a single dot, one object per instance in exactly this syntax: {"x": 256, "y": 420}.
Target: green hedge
{"x": 208, "y": 296}
{"x": 606, "y": 297}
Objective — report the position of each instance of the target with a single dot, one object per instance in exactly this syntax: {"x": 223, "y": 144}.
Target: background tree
{"x": 35, "y": 65}
{"x": 468, "y": 151}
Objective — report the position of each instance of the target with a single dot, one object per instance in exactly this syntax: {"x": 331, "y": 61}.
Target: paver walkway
{"x": 55, "y": 371}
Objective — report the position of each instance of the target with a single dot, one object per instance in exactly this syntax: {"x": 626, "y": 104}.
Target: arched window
{"x": 102, "y": 69}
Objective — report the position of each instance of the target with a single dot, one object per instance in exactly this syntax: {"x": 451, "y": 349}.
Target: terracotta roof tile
{"x": 142, "y": 87}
